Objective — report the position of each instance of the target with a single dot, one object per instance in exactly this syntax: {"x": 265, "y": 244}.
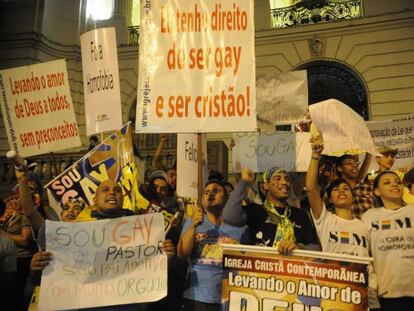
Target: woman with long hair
{"x": 392, "y": 243}
{"x": 332, "y": 226}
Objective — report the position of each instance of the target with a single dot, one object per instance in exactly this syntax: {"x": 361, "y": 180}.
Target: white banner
{"x": 105, "y": 262}
{"x": 196, "y": 67}
{"x": 290, "y": 151}
{"x": 101, "y": 81}
{"x": 396, "y": 134}
{"x": 37, "y": 108}
{"x": 282, "y": 99}
{"x": 343, "y": 130}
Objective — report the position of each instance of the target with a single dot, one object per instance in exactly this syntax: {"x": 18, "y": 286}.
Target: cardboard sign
{"x": 257, "y": 278}
{"x": 343, "y": 130}
{"x": 196, "y": 67}
{"x": 282, "y": 99}
{"x": 290, "y": 151}
{"x": 105, "y": 262}
{"x": 101, "y": 81}
{"x": 37, "y": 108}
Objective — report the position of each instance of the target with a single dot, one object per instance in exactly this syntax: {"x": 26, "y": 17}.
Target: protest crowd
{"x": 345, "y": 199}
{"x": 313, "y": 212}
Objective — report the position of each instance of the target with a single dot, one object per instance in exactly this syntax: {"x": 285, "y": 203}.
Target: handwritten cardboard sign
{"x": 290, "y": 151}
{"x": 105, "y": 262}
{"x": 196, "y": 67}
{"x": 343, "y": 130}
{"x": 282, "y": 99}
{"x": 37, "y": 108}
{"x": 101, "y": 81}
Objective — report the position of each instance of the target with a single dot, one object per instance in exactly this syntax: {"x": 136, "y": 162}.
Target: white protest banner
{"x": 101, "y": 81}
{"x": 196, "y": 67}
{"x": 187, "y": 180}
{"x": 37, "y": 108}
{"x": 105, "y": 262}
{"x": 290, "y": 151}
{"x": 282, "y": 99}
{"x": 343, "y": 130}
{"x": 397, "y": 134}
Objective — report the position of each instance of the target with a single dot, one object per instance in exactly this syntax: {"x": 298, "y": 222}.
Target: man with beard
{"x": 274, "y": 223}
{"x": 200, "y": 241}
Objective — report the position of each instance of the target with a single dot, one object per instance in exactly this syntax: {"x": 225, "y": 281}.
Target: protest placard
{"x": 112, "y": 159}
{"x": 37, "y": 108}
{"x": 282, "y": 99}
{"x": 260, "y": 151}
{"x": 187, "y": 180}
{"x": 343, "y": 130}
{"x": 101, "y": 81}
{"x": 196, "y": 67}
{"x": 257, "y": 278}
{"x": 396, "y": 134}
{"x": 105, "y": 262}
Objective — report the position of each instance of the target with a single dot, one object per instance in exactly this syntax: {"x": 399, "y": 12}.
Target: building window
{"x": 100, "y": 9}
{"x": 287, "y": 13}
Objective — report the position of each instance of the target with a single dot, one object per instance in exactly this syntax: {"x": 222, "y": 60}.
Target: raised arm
{"x": 187, "y": 239}
{"x": 26, "y": 200}
{"x": 233, "y": 213}
{"x": 364, "y": 167}
{"x": 312, "y": 188}
{"x": 156, "y": 162}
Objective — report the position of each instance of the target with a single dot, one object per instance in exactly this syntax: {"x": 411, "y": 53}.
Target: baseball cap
{"x": 387, "y": 150}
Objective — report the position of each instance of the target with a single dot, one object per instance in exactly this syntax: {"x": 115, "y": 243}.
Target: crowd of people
{"x": 340, "y": 197}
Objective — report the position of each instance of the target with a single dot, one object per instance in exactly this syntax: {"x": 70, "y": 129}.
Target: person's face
{"x": 341, "y": 195}
{"x": 70, "y": 211}
{"x": 278, "y": 186}
{"x": 386, "y": 161}
{"x": 93, "y": 142}
{"x": 349, "y": 168}
{"x": 108, "y": 196}
{"x": 172, "y": 178}
{"x": 214, "y": 197}
{"x": 389, "y": 187}
{"x": 161, "y": 187}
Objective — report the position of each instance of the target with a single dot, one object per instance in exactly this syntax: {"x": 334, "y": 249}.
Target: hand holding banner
{"x": 343, "y": 130}
{"x": 105, "y": 262}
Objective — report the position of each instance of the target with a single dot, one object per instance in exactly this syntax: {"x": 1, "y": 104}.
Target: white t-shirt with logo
{"x": 341, "y": 236}
{"x": 392, "y": 246}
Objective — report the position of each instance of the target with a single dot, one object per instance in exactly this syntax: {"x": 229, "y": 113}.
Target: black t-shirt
{"x": 262, "y": 229}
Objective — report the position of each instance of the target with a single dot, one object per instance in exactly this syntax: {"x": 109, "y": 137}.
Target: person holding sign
{"x": 274, "y": 223}
{"x": 339, "y": 232}
{"x": 200, "y": 241}
{"x": 391, "y": 229}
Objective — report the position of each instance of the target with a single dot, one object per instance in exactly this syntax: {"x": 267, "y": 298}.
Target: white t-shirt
{"x": 392, "y": 246}
{"x": 341, "y": 236}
